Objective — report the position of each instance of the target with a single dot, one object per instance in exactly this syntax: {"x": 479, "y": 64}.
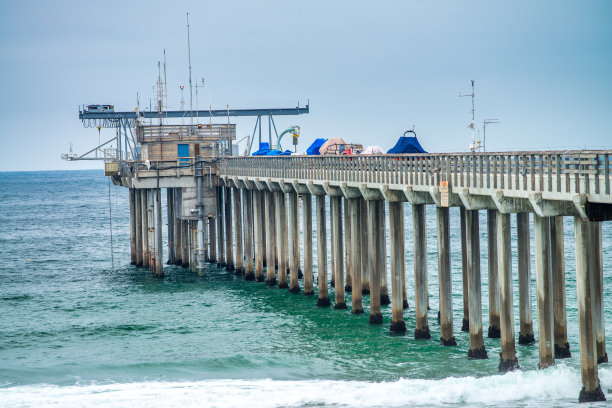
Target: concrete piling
{"x": 544, "y": 291}
{"x": 270, "y": 244}
{"x": 220, "y": 228}
{"x": 307, "y": 234}
{"x": 239, "y": 265}
{"x": 280, "y": 235}
{"x": 178, "y": 238}
{"x": 323, "y": 299}
{"x": 396, "y": 242}
{"x": 212, "y": 242}
{"x": 585, "y": 284}
{"x": 444, "y": 278}
{"x": 229, "y": 245}
{"x": 365, "y": 231}
{"x": 562, "y": 348}
{"x": 336, "y": 225}
{"x": 294, "y": 242}
{"x": 375, "y": 267}
{"x": 465, "y": 324}
{"x": 249, "y": 270}
{"x": 132, "y": 204}
{"x": 159, "y": 269}
{"x": 382, "y": 253}
{"x": 508, "y": 360}
{"x": 171, "y": 235}
{"x": 494, "y": 331}
{"x": 524, "y": 277}
{"x": 348, "y": 287}
{"x": 354, "y": 208}
{"x": 596, "y": 264}
{"x": 258, "y": 233}
{"x": 144, "y": 206}
{"x": 477, "y": 349}
{"x": 420, "y": 268}
{"x": 138, "y": 227}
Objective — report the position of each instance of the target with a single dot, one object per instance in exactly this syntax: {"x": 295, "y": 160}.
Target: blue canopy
{"x": 407, "y": 144}
{"x": 314, "y": 147}
{"x": 264, "y": 148}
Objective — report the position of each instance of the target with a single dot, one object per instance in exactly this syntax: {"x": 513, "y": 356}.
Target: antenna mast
{"x": 190, "y": 86}
{"x": 473, "y": 144}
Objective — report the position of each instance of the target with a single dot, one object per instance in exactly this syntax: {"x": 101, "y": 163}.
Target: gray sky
{"x": 370, "y": 69}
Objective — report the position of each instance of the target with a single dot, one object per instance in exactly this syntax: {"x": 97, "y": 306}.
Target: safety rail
{"x": 153, "y": 133}
{"x": 560, "y": 172}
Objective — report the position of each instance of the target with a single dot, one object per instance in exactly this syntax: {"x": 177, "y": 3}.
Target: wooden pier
{"x": 242, "y": 213}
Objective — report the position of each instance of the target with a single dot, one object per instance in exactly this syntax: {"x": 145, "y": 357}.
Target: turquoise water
{"x": 78, "y": 330}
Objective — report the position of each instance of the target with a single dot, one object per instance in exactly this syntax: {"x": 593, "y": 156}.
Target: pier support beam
{"x": 444, "y": 278}
{"x": 294, "y": 242}
{"x": 396, "y": 241}
{"x": 323, "y": 299}
{"x": 420, "y": 268}
{"x": 494, "y": 331}
{"x": 365, "y": 231}
{"x": 178, "y": 260}
{"x": 562, "y": 347}
{"x": 138, "y": 227}
{"x": 355, "y": 245}
{"x": 375, "y": 267}
{"x": 220, "y": 228}
{"x": 270, "y": 244}
{"x": 132, "y": 199}
{"x": 524, "y": 277}
{"x": 159, "y": 259}
{"x": 465, "y": 324}
{"x": 596, "y": 263}
{"x": 544, "y": 291}
{"x": 229, "y": 246}
{"x": 212, "y": 241}
{"x": 171, "y": 234}
{"x": 144, "y": 207}
{"x": 238, "y": 231}
{"x": 348, "y": 259}
{"x": 280, "y": 233}
{"x": 336, "y": 225}
{"x": 382, "y": 253}
{"x": 249, "y": 270}
{"x": 258, "y": 230}
{"x": 508, "y": 360}
{"x": 585, "y": 284}
{"x": 477, "y": 349}
{"x": 186, "y": 243}
{"x": 307, "y": 234}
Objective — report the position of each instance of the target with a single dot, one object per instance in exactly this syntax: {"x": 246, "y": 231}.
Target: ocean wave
{"x": 558, "y": 386}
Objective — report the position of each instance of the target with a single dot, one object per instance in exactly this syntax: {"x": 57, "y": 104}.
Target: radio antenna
{"x": 473, "y": 145}
{"x": 190, "y": 86}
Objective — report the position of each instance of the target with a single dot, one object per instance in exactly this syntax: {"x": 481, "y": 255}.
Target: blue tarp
{"x": 278, "y": 153}
{"x": 314, "y": 147}
{"x": 407, "y": 144}
{"x": 264, "y": 148}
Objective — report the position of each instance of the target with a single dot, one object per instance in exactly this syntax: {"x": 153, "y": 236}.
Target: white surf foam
{"x": 552, "y": 387}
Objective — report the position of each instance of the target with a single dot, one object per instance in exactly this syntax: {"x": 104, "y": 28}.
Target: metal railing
{"x": 153, "y": 133}
{"x": 561, "y": 172}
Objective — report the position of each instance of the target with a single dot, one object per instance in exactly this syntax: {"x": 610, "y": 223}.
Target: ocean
{"x": 80, "y": 326}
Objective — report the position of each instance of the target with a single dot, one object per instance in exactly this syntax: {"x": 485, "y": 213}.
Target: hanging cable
{"x": 110, "y": 220}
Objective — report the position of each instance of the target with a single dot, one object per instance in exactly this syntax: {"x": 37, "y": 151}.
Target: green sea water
{"x": 77, "y": 329}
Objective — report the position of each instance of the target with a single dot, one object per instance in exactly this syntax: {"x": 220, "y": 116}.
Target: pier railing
{"x": 558, "y": 173}
{"x": 153, "y": 133}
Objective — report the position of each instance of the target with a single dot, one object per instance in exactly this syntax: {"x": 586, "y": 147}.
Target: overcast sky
{"x": 371, "y": 69}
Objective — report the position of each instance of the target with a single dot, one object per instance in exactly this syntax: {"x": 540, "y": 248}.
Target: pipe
{"x": 294, "y": 129}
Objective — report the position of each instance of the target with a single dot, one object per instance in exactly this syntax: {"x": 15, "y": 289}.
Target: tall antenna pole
{"x": 165, "y": 84}
{"x": 190, "y": 86}
{"x": 473, "y": 144}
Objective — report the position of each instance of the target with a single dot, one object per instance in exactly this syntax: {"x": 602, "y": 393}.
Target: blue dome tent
{"x": 407, "y": 144}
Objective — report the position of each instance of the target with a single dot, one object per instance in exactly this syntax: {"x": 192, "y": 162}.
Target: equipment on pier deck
{"x": 313, "y": 150}
{"x": 407, "y": 144}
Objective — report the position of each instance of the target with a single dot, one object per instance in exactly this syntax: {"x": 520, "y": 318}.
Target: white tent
{"x": 373, "y": 150}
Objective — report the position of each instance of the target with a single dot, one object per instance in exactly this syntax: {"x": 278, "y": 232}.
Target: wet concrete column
{"x": 280, "y": 234}
{"x": 477, "y": 349}
{"x": 186, "y": 243}
{"x": 355, "y": 245}
{"x": 404, "y": 292}
{"x": 249, "y": 270}
{"x": 332, "y": 247}
{"x": 596, "y": 264}
{"x": 375, "y": 267}
{"x": 238, "y": 230}
{"x": 212, "y": 234}
{"x": 270, "y": 244}
{"x": 294, "y": 242}
{"x": 465, "y": 323}
{"x": 229, "y": 245}
{"x": 444, "y": 277}
{"x": 138, "y": 227}
{"x": 133, "y": 255}
{"x": 365, "y": 263}
{"x": 420, "y": 269}
{"x": 348, "y": 257}
{"x": 494, "y": 332}
{"x": 562, "y": 348}
{"x": 177, "y": 204}
{"x": 585, "y": 284}
{"x": 396, "y": 241}
{"x": 307, "y": 234}
{"x": 144, "y": 206}
{"x": 171, "y": 235}
{"x": 152, "y": 225}
{"x": 258, "y": 234}
{"x": 507, "y": 357}
{"x": 323, "y": 299}
{"x": 544, "y": 291}
{"x": 336, "y": 224}
{"x": 220, "y": 228}
{"x": 524, "y": 277}
{"x": 382, "y": 253}
{"x": 159, "y": 269}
